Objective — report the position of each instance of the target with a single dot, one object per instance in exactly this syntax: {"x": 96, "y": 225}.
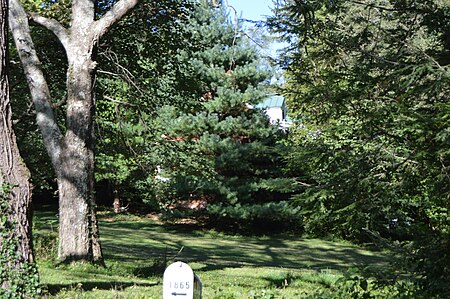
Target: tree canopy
{"x": 370, "y": 81}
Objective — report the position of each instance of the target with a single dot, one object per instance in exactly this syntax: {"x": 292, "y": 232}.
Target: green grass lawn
{"x": 230, "y": 266}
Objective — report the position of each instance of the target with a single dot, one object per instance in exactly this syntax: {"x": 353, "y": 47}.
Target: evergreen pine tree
{"x": 217, "y": 150}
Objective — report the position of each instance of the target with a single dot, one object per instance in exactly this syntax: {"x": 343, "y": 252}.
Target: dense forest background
{"x": 367, "y": 158}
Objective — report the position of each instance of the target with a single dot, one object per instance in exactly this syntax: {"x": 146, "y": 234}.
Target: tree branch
{"x": 40, "y": 92}
{"x": 385, "y": 8}
{"x": 119, "y": 10}
{"x": 54, "y": 26}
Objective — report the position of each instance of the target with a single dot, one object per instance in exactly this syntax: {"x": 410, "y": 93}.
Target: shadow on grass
{"x": 54, "y": 289}
{"x": 157, "y": 269}
{"x": 143, "y": 241}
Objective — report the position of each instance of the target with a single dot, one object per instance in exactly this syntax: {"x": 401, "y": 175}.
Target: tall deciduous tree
{"x": 139, "y": 71}
{"x": 16, "y": 255}
{"x": 71, "y": 151}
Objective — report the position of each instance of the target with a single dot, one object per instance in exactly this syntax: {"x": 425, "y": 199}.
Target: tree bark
{"x": 77, "y": 204}
{"x": 72, "y": 155}
{"x": 13, "y": 171}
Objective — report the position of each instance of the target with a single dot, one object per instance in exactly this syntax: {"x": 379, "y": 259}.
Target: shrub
{"x": 276, "y": 215}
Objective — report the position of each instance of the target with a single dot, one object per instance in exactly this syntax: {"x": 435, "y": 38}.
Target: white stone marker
{"x": 178, "y": 282}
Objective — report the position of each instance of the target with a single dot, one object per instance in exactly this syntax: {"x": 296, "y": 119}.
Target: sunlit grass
{"x": 231, "y": 266}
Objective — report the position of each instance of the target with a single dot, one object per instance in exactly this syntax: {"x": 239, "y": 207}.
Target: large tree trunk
{"x": 72, "y": 156}
{"x": 13, "y": 173}
{"x": 76, "y": 201}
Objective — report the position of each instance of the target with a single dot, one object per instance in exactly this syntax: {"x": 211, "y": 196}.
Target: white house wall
{"x": 275, "y": 114}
